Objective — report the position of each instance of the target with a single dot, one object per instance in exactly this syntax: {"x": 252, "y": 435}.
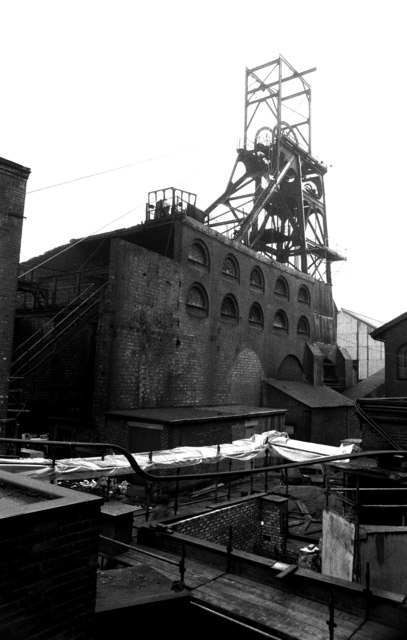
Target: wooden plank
{"x": 253, "y": 611}
{"x": 290, "y": 569}
{"x": 288, "y": 600}
{"x": 375, "y": 630}
{"x": 280, "y": 619}
{"x": 285, "y": 612}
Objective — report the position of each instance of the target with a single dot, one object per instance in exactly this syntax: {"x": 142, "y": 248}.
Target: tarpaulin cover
{"x": 277, "y": 443}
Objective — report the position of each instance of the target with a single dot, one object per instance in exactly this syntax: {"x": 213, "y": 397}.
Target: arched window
{"x": 280, "y": 321}
{"x": 303, "y": 295}
{"x": 197, "y": 300}
{"x": 303, "y": 327}
{"x": 230, "y": 267}
{"x": 402, "y": 363}
{"x": 257, "y": 279}
{"x": 199, "y": 254}
{"x": 229, "y": 309}
{"x": 256, "y": 315}
{"x": 281, "y": 287}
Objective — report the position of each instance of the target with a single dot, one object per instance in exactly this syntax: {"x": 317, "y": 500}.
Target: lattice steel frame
{"x": 274, "y": 201}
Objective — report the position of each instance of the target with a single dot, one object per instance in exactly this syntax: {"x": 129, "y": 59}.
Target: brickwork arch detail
{"x": 246, "y": 378}
{"x": 291, "y": 369}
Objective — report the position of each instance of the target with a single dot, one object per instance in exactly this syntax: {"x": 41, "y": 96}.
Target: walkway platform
{"x": 276, "y": 612}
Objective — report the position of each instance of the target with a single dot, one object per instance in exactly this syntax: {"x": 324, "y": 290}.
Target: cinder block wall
{"x": 13, "y": 179}
{"x": 48, "y": 561}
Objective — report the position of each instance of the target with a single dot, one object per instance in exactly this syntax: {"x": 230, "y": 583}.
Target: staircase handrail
{"x": 46, "y": 346}
{"x": 53, "y": 330}
{"x": 51, "y": 321}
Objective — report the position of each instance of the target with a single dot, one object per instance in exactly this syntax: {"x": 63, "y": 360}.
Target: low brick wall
{"x": 48, "y": 560}
{"x": 256, "y": 524}
{"x": 242, "y": 519}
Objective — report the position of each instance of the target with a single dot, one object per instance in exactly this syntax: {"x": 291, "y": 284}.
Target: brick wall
{"x": 152, "y": 351}
{"x": 243, "y": 518}
{"x": 274, "y": 526}
{"x": 48, "y": 562}
{"x": 13, "y": 178}
{"x": 257, "y": 525}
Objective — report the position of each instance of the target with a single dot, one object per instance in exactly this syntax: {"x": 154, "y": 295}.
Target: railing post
{"x": 52, "y": 481}
{"x": 176, "y": 492}
{"x": 54, "y": 291}
{"x": 230, "y": 482}
{"x": 367, "y": 591}
{"x": 331, "y": 622}
{"x": 148, "y": 496}
{"x": 182, "y": 568}
{"x": 357, "y": 560}
{"x": 217, "y": 469}
{"x": 327, "y": 487}
{"x": 266, "y": 461}
{"x": 251, "y": 476}
{"x": 229, "y": 549}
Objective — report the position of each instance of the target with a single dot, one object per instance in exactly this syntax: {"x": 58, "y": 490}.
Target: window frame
{"x": 195, "y": 310}
{"x": 304, "y": 299}
{"x": 255, "y": 285}
{"x": 282, "y": 294}
{"x": 279, "y": 328}
{"x": 307, "y": 333}
{"x": 228, "y": 317}
{"x": 255, "y": 323}
{"x": 205, "y": 252}
{"x": 236, "y": 272}
{"x": 402, "y": 362}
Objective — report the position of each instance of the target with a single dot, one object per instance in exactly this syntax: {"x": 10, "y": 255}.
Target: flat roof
{"x": 186, "y": 415}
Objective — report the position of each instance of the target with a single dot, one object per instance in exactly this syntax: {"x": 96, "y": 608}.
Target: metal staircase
{"x": 56, "y": 333}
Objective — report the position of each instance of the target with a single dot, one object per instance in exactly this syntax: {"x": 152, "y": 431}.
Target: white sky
{"x": 92, "y": 85}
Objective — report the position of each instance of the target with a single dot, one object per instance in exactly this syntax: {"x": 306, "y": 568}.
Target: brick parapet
{"x": 48, "y": 562}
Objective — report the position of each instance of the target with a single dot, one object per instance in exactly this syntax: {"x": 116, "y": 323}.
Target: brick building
{"x": 168, "y": 313}
{"x": 314, "y": 413}
{"x": 393, "y": 335}
{"x": 13, "y": 179}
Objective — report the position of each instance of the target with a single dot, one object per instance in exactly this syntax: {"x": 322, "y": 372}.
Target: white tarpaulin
{"x": 277, "y": 443}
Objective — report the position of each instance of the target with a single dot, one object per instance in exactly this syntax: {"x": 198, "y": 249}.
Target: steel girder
{"x": 274, "y": 201}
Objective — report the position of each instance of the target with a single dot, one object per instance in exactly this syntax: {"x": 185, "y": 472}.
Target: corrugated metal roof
{"x": 369, "y": 321}
{"x": 312, "y": 396}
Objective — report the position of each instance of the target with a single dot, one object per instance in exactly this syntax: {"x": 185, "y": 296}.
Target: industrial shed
{"x": 314, "y": 413}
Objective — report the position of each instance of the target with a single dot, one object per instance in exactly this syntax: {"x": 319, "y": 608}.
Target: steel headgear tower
{"x": 274, "y": 201}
